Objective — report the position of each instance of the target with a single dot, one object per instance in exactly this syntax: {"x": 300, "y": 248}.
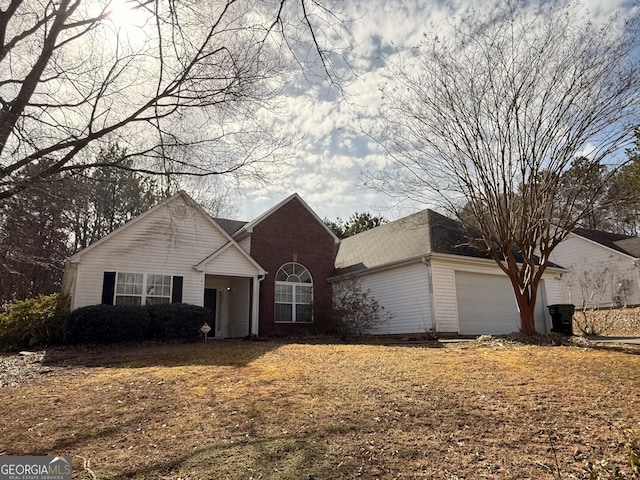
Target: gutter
{"x": 427, "y": 258}
{"x": 377, "y": 268}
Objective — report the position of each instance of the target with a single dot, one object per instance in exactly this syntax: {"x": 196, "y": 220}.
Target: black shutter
{"x": 176, "y": 294}
{"x": 108, "y": 287}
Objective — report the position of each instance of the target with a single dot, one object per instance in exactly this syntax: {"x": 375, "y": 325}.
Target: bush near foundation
{"x": 35, "y": 322}
{"x": 177, "y": 321}
{"x": 134, "y": 323}
{"x": 107, "y": 324}
{"x": 355, "y": 311}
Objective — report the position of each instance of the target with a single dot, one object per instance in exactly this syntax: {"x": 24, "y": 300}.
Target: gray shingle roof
{"x": 626, "y": 244}
{"x": 410, "y": 237}
{"x": 230, "y": 226}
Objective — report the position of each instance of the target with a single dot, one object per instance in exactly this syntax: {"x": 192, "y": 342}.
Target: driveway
{"x": 624, "y": 340}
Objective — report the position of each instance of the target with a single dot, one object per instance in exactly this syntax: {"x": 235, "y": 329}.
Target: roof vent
{"x": 180, "y": 211}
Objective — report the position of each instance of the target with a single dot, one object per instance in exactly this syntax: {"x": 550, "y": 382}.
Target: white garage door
{"x": 486, "y": 305}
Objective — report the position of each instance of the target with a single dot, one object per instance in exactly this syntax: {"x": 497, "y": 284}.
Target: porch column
{"x": 255, "y": 306}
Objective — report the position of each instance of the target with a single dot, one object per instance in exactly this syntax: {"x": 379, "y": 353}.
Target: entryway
{"x": 211, "y": 303}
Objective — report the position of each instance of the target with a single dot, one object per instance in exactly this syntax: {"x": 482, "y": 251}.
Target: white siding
{"x": 444, "y": 297}
{"x": 230, "y": 262}
{"x": 549, "y": 293}
{"x": 553, "y": 290}
{"x": 404, "y": 293}
{"x": 541, "y": 312}
{"x": 245, "y": 244}
{"x": 423, "y": 298}
{"x": 159, "y": 243}
{"x": 584, "y": 257}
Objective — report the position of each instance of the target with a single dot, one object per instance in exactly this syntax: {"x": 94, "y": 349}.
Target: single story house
{"x": 604, "y": 268}
{"x": 274, "y": 275}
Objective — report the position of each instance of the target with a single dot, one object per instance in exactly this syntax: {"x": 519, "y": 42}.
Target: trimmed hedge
{"x": 177, "y": 321}
{"x": 45, "y": 321}
{"x": 35, "y": 322}
{"x": 127, "y": 323}
{"x": 107, "y": 324}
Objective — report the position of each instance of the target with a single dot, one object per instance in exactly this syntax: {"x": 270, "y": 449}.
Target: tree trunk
{"x": 527, "y": 306}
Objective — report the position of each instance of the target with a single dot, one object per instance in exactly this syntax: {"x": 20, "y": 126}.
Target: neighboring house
{"x": 604, "y": 268}
{"x": 265, "y": 277}
{"x": 422, "y": 270}
{"x": 274, "y": 275}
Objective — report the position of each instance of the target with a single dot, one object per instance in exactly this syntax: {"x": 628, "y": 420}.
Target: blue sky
{"x": 328, "y": 163}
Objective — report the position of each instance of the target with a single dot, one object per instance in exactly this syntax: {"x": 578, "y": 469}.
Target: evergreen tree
{"x": 357, "y": 223}
{"x": 33, "y": 243}
{"x": 106, "y": 198}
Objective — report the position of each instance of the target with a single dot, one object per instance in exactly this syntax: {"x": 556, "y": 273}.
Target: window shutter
{"x": 108, "y": 287}
{"x": 176, "y": 291}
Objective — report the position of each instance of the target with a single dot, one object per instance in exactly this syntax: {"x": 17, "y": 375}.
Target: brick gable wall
{"x": 293, "y": 234}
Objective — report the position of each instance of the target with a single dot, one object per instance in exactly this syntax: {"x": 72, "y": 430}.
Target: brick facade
{"x": 293, "y": 234}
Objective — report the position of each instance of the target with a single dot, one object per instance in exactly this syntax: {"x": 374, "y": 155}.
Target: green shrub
{"x": 130, "y": 323}
{"x": 107, "y": 324}
{"x": 34, "y": 322}
{"x": 177, "y": 321}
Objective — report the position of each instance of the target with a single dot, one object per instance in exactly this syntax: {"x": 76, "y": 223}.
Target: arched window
{"x": 294, "y": 294}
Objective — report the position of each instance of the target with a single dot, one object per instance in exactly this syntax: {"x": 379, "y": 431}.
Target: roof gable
{"x": 175, "y": 204}
{"x": 248, "y": 227}
{"x": 232, "y": 255}
{"x": 163, "y": 204}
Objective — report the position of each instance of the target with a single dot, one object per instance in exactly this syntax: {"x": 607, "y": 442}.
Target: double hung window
{"x": 142, "y": 289}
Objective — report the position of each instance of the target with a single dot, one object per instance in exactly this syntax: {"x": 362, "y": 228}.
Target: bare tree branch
{"x": 74, "y": 76}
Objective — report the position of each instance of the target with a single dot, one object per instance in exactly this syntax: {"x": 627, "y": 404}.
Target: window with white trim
{"x": 294, "y": 294}
{"x": 141, "y": 289}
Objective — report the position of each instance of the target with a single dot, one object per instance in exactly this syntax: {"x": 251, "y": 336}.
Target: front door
{"x": 210, "y": 302}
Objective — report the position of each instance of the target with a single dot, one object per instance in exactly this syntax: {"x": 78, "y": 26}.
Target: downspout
{"x": 432, "y": 303}
{"x": 636, "y": 264}
{"x": 255, "y": 307}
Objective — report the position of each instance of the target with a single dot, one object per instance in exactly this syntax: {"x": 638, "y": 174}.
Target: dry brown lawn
{"x": 243, "y": 410}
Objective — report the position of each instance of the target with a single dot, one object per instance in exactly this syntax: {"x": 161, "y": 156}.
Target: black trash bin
{"x": 562, "y": 318}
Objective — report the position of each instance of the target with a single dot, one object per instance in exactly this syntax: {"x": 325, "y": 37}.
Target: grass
{"x": 242, "y": 410}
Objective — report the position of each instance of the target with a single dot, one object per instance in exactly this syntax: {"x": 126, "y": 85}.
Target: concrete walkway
{"x": 624, "y": 340}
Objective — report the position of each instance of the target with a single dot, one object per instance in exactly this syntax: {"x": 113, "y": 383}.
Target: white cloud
{"x": 331, "y": 155}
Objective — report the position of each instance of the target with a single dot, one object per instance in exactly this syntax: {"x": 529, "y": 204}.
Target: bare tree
{"x": 492, "y": 114}
{"x": 100, "y": 200}
{"x": 181, "y": 84}
{"x": 214, "y": 195}
{"x": 596, "y": 289}
{"x": 355, "y": 311}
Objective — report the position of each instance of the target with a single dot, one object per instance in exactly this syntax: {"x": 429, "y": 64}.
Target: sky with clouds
{"x": 327, "y": 167}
